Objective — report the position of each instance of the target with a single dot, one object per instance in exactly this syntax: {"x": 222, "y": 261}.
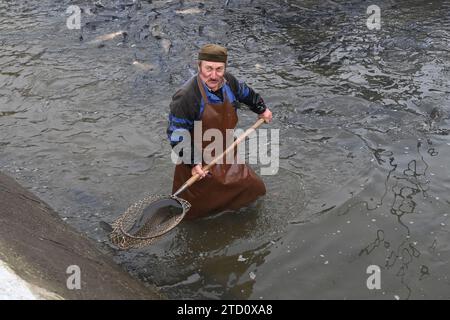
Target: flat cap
{"x": 213, "y": 52}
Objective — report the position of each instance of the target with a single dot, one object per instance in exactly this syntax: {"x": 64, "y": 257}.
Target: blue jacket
{"x": 187, "y": 103}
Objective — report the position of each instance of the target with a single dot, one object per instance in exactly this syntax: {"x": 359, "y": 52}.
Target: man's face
{"x": 212, "y": 74}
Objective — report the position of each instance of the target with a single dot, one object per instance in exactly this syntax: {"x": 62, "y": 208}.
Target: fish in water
{"x": 143, "y": 66}
{"x": 436, "y": 114}
{"x": 109, "y": 36}
{"x": 156, "y": 31}
{"x": 166, "y": 45}
{"x": 189, "y": 11}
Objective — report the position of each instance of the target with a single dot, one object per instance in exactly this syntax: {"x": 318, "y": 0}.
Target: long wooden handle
{"x": 195, "y": 177}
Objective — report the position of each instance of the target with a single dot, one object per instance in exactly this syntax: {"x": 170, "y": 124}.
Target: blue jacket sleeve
{"x": 183, "y": 113}
{"x": 246, "y": 94}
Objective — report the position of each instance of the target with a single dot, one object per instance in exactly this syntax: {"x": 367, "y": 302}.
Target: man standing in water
{"x": 211, "y": 97}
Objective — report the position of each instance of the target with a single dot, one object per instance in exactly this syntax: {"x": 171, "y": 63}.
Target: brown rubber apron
{"x": 228, "y": 186}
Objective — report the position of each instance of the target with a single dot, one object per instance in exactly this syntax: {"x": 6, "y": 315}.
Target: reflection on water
{"x": 364, "y": 138}
{"x": 405, "y": 190}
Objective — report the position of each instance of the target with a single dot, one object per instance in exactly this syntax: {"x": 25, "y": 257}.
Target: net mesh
{"x": 152, "y": 229}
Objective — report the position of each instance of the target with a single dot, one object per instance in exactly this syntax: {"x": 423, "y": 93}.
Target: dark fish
{"x": 105, "y": 226}
{"x": 157, "y": 213}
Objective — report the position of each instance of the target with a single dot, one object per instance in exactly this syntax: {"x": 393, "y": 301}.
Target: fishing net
{"x": 150, "y": 218}
{"x": 147, "y": 220}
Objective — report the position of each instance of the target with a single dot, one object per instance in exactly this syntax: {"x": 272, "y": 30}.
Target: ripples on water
{"x": 364, "y": 120}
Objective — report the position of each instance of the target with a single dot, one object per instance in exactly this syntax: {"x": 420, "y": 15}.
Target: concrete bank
{"x": 37, "y": 248}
